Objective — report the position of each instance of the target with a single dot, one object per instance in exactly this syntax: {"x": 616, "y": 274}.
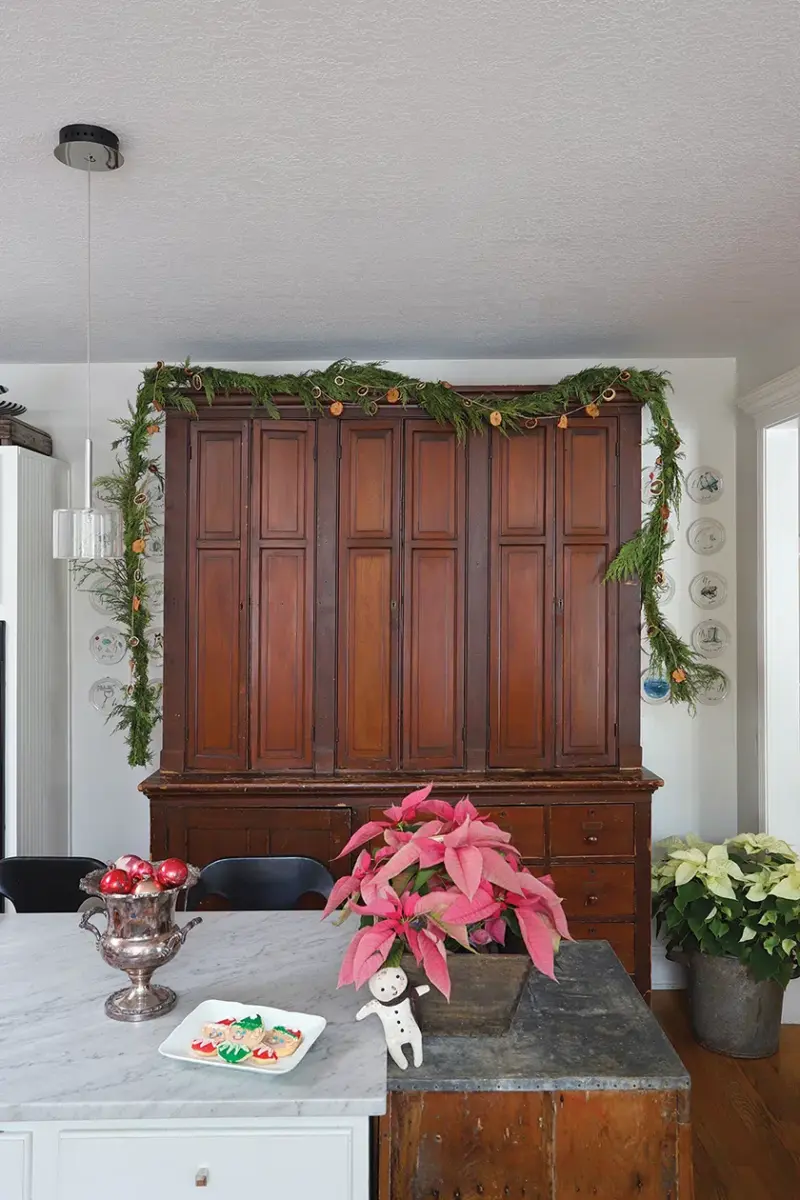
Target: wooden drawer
{"x": 621, "y": 938}
{"x": 578, "y": 831}
{"x": 525, "y": 823}
{"x": 601, "y": 891}
{"x": 15, "y": 1166}
{"x": 304, "y": 1163}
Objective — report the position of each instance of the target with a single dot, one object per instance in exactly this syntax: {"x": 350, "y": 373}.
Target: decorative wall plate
{"x": 666, "y": 590}
{"x": 706, "y": 536}
{"x": 100, "y": 602}
{"x": 704, "y": 485}
{"x": 155, "y": 594}
{"x": 105, "y": 693}
{"x": 715, "y": 693}
{"x": 155, "y": 546}
{"x": 708, "y": 590}
{"x": 710, "y": 638}
{"x": 107, "y": 645}
{"x": 655, "y": 688}
{"x": 155, "y": 640}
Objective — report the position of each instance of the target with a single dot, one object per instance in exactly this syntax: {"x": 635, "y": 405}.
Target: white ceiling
{"x": 418, "y": 178}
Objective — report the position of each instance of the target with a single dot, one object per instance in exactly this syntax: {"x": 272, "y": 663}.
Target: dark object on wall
{"x": 45, "y": 884}
{"x": 732, "y": 1012}
{"x": 356, "y": 607}
{"x": 261, "y": 884}
{"x": 17, "y": 433}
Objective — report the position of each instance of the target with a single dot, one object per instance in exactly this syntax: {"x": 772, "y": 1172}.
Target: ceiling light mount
{"x": 88, "y": 148}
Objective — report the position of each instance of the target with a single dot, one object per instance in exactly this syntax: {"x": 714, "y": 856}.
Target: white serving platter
{"x": 179, "y": 1043}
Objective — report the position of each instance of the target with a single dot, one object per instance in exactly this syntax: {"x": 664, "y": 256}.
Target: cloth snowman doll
{"x": 393, "y": 1004}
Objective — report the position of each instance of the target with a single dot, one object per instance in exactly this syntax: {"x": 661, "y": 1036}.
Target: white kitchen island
{"x": 89, "y": 1107}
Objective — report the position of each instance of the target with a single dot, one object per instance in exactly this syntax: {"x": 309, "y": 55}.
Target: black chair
{"x": 260, "y": 884}
{"x": 45, "y": 884}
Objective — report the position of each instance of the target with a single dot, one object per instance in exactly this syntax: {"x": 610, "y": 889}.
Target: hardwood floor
{"x": 745, "y": 1113}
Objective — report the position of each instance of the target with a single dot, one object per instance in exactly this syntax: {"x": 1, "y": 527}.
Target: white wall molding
{"x": 775, "y": 401}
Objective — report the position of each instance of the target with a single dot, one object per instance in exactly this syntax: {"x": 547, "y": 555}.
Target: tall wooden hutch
{"x": 356, "y": 606}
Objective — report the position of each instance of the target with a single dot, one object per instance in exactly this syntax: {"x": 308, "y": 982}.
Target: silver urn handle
{"x": 86, "y": 923}
{"x": 184, "y": 930}
{"x": 178, "y": 936}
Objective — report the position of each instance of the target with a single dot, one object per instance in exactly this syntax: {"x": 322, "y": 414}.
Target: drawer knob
{"x": 591, "y": 838}
{"x": 201, "y": 1178}
{"x": 592, "y": 899}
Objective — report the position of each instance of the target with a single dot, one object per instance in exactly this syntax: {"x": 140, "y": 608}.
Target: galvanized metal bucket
{"x": 732, "y": 1012}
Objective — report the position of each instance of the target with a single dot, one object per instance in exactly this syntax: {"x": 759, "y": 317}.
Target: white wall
{"x": 696, "y": 756}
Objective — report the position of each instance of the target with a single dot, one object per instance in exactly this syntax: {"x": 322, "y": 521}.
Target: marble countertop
{"x": 62, "y": 1059}
{"x": 589, "y": 1031}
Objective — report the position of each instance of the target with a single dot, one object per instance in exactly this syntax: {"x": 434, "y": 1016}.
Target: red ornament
{"x": 173, "y": 872}
{"x": 143, "y": 870}
{"x": 116, "y": 883}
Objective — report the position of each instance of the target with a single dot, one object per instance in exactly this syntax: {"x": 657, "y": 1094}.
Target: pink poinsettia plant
{"x": 444, "y": 877}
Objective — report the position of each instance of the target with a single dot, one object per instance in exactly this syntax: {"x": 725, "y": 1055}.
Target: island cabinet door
{"x": 202, "y": 833}
{"x": 296, "y": 1159}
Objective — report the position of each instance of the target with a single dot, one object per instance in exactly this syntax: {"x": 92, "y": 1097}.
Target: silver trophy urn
{"x": 141, "y": 936}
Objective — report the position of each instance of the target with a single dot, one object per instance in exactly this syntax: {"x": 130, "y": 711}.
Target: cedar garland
{"x": 137, "y": 482}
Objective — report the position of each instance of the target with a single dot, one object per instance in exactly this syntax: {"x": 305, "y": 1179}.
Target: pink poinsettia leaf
{"x": 434, "y": 963}
{"x": 466, "y": 911}
{"x": 363, "y": 864}
{"x": 402, "y": 858}
{"x": 464, "y": 809}
{"x": 485, "y": 833}
{"x": 372, "y": 951}
{"x": 414, "y": 799}
{"x": 342, "y": 888}
{"x": 464, "y": 865}
{"x": 457, "y": 932}
{"x": 431, "y": 852}
{"x": 364, "y": 834}
{"x": 496, "y": 870}
{"x": 439, "y": 808}
{"x": 481, "y": 937}
{"x": 346, "y": 970}
{"x": 538, "y": 939}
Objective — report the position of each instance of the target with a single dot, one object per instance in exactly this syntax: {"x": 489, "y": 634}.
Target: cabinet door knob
{"x": 591, "y": 838}
{"x": 201, "y": 1178}
{"x": 592, "y": 899}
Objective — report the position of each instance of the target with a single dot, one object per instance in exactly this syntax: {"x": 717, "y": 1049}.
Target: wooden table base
{"x": 608, "y": 1145}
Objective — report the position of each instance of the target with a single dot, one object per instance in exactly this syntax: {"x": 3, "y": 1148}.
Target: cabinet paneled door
{"x": 364, "y": 603}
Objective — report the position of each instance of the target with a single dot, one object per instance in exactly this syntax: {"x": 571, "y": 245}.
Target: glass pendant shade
{"x": 87, "y": 533}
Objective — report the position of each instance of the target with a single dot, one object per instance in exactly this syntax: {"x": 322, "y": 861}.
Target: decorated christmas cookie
{"x": 204, "y": 1048}
{"x": 218, "y": 1031}
{"x": 246, "y": 1031}
{"x": 282, "y": 1040}
{"x": 263, "y": 1056}
{"x": 233, "y": 1052}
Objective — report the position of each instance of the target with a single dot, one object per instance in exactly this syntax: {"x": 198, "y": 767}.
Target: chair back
{"x": 261, "y": 884}
{"x": 45, "y": 884}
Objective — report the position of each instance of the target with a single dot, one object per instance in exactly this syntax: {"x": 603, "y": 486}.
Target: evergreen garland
{"x": 130, "y": 488}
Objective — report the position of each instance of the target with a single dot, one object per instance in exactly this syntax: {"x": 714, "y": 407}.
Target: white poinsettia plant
{"x": 739, "y": 898}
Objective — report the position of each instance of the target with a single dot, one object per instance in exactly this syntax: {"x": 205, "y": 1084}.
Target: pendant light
{"x": 88, "y": 533}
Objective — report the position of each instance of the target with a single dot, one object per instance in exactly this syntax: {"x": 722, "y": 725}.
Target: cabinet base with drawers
{"x": 303, "y": 1158}
{"x": 590, "y": 831}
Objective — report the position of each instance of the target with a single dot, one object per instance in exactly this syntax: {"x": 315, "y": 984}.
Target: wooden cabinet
{"x": 369, "y": 603}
